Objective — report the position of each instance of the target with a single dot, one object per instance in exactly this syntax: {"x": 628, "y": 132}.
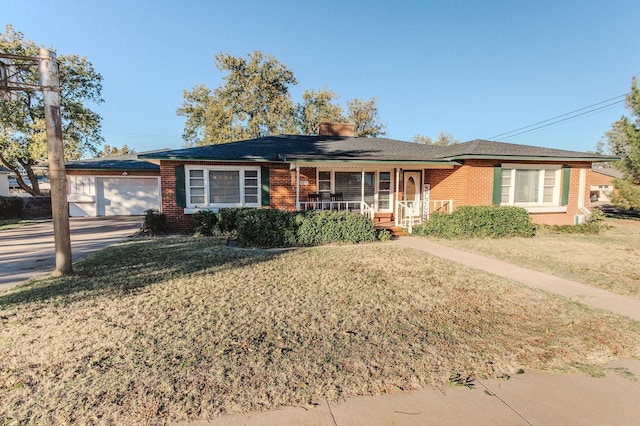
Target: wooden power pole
{"x": 50, "y": 81}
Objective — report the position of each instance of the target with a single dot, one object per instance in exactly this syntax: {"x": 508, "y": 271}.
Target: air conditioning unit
{"x": 578, "y": 219}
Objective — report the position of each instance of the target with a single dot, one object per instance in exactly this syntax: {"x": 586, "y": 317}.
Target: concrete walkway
{"x": 583, "y": 293}
{"x": 532, "y": 398}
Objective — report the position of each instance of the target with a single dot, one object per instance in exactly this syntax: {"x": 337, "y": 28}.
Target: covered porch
{"x": 391, "y": 195}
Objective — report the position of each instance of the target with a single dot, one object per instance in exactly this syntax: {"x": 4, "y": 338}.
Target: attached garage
{"x": 127, "y": 196}
{"x": 117, "y": 186}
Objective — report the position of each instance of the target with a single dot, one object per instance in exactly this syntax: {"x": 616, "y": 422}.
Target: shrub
{"x": 228, "y": 218}
{"x": 384, "y": 235}
{"x": 266, "y": 228}
{"x": 154, "y": 222}
{"x": 592, "y": 225}
{"x": 325, "y": 227}
{"x": 10, "y": 207}
{"x": 479, "y": 222}
{"x": 205, "y": 222}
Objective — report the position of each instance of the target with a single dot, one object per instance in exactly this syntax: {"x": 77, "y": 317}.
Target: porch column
{"x": 362, "y": 193}
{"x": 396, "y": 196}
{"x": 297, "y": 187}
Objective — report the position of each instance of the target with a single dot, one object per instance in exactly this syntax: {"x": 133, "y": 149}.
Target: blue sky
{"x": 472, "y": 68}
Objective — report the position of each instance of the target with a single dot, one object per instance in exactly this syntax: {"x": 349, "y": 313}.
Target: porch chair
{"x": 337, "y": 201}
{"x": 316, "y": 199}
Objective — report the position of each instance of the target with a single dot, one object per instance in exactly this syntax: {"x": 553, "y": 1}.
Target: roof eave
{"x": 531, "y": 158}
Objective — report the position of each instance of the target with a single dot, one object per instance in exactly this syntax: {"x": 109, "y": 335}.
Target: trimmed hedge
{"x": 11, "y": 207}
{"x": 325, "y": 227}
{"x": 278, "y": 228}
{"x": 266, "y": 228}
{"x": 205, "y": 221}
{"x": 479, "y": 222}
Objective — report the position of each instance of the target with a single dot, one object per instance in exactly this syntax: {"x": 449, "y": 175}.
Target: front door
{"x": 412, "y": 189}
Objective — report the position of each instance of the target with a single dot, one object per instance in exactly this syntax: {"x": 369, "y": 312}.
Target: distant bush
{"x": 325, "y": 227}
{"x": 479, "y": 222}
{"x": 154, "y": 222}
{"x": 205, "y": 222}
{"x": 266, "y": 228}
{"x": 10, "y": 207}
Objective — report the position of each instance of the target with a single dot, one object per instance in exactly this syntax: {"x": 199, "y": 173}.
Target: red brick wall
{"x": 471, "y": 184}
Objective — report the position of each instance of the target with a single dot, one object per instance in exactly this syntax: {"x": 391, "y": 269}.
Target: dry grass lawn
{"x": 174, "y": 329}
{"x": 609, "y": 260}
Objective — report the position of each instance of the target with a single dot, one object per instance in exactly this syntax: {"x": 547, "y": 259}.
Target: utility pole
{"x": 50, "y": 82}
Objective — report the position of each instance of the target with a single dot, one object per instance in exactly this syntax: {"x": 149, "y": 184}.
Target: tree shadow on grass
{"x": 123, "y": 269}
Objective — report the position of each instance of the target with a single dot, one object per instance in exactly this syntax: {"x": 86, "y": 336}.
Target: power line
{"x": 550, "y": 121}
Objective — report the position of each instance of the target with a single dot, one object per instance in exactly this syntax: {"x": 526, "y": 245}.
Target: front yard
{"x": 180, "y": 328}
{"x": 608, "y": 260}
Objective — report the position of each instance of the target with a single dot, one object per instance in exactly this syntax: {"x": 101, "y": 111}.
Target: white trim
{"x": 547, "y": 209}
{"x": 212, "y": 206}
{"x": 363, "y": 170}
{"x": 555, "y": 168}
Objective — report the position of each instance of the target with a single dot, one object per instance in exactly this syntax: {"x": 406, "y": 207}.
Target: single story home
{"x": 113, "y": 186}
{"x": 601, "y": 188}
{"x": 388, "y": 180}
{"x": 4, "y": 181}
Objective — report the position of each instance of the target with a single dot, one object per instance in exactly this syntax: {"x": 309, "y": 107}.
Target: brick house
{"x": 391, "y": 181}
{"x": 601, "y": 188}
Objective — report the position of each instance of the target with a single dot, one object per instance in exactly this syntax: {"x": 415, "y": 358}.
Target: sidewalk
{"x": 533, "y": 398}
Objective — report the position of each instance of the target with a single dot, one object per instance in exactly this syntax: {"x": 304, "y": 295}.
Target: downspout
{"x": 397, "y": 196}
{"x": 582, "y": 192}
{"x": 362, "y": 193}
{"x": 297, "y": 187}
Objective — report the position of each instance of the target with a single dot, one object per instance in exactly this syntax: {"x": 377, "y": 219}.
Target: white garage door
{"x": 127, "y": 196}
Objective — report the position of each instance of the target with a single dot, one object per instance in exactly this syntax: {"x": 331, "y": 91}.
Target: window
{"x": 530, "y": 185}
{"x": 223, "y": 187}
{"x": 384, "y": 190}
{"x": 81, "y": 185}
{"x": 377, "y": 187}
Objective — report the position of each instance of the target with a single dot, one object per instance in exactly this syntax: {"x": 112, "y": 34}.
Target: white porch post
{"x": 396, "y": 196}
{"x": 297, "y": 187}
{"x": 362, "y": 193}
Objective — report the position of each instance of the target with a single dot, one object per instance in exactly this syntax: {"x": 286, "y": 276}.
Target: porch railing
{"x": 411, "y": 213}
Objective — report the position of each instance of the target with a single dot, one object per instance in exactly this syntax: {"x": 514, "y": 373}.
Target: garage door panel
{"x": 128, "y": 196}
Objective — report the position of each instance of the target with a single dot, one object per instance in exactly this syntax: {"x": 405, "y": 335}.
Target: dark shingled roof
{"x": 306, "y": 148}
{"x": 480, "y": 148}
{"x": 337, "y": 148}
{"x": 126, "y": 162}
{"x": 608, "y": 171}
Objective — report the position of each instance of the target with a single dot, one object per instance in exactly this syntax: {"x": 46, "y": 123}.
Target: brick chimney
{"x": 337, "y": 129}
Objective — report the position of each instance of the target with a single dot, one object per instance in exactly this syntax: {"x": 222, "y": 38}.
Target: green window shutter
{"x": 264, "y": 178}
{"x": 181, "y": 195}
{"x": 566, "y": 176}
{"x": 497, "y": 184}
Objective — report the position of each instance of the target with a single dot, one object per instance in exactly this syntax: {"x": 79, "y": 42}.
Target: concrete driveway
{"x": 28, "y": 251}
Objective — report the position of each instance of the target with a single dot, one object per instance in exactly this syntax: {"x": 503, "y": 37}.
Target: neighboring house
{"x": 601, "y": 188}
{"x": 388, "y": 180}
{"x": 112, "y": 186}
{"x": 4, "y": 181}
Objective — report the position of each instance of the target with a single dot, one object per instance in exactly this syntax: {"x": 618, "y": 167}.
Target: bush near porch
{"x": 479, "y": 222}
{"x": 279, "y": 228}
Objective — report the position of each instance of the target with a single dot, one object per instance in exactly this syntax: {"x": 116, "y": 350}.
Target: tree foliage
{"x": 624, "y": 141}
{"x": 254, "y": 101}
{"x": 113, "y": 151}
{"x": 364, "y": 114}
{"x": 444, "y": 139}
{"x": 317, "y": 107}
{"x": 22, "y": 129}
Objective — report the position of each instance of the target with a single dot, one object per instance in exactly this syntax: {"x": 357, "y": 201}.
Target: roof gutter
{"x": 530, "y": 158}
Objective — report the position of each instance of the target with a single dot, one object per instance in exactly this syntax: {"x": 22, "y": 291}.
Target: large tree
{"x": 364, "y": 114}
{"x": 22, "y": 130}
{"x": 624, "y": 141}
{"x": 254, "y": 101}
{"x": 317, "y": 107}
